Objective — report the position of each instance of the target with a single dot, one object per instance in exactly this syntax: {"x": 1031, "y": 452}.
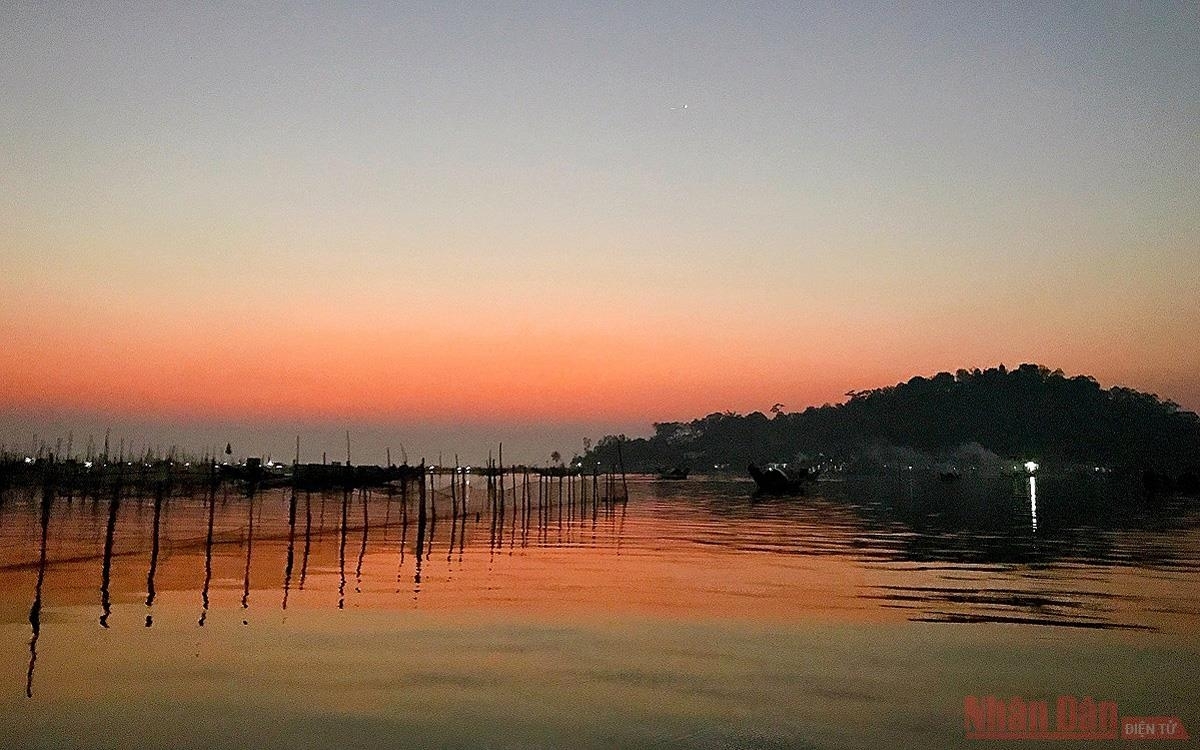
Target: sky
{"x": 446, "y": 223}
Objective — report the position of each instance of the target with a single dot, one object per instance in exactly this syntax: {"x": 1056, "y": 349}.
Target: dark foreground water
{"x": 691, "y": 616}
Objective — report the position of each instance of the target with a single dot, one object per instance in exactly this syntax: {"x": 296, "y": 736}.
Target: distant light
{"x": 87, "y": 464}
{"x": 1031, "y": 466}
{"x": 28, "y": 460}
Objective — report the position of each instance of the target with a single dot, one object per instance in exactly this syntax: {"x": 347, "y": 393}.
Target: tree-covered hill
{"x": 1028, "y": 412}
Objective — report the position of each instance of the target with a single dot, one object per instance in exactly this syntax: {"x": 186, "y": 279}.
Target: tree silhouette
{"x": 1027, "y": 412}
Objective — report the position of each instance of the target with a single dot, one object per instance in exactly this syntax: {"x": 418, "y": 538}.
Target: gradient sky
{"x": 489, "y": 218}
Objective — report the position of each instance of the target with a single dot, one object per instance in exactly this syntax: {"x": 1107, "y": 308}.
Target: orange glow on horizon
{"x": 515, "y": 374}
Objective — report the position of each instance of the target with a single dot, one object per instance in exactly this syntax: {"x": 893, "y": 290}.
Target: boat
{"x": 679, "y": 472}
{"x": 775, "y": 480}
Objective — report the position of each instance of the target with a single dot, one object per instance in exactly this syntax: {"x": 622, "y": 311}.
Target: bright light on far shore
{"x": 1031, "y": 466}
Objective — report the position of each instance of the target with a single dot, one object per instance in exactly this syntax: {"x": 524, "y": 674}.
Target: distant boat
{"x": 774, "y": 480}
{"x": 679, "y": 472}
{"x": 951, "y": 475}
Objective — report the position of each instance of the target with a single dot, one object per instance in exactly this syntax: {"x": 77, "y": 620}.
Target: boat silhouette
{"x": 776, "y": 480}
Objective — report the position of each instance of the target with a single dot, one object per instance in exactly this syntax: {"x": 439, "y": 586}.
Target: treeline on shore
{"x": 971, "y": 419}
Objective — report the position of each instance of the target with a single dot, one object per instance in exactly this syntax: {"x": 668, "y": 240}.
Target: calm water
{"x": 690, "y": 616}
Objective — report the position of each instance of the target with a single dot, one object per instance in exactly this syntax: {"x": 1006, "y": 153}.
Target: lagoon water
{"x": 689, "y": 616}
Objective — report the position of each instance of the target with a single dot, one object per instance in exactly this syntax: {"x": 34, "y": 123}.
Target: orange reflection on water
{"x": 690, "y": 611}
{"x": 570, "y": 557}
{"x": 697, "y": 551}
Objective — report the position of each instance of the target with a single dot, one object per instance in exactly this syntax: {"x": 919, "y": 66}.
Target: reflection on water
{"x": 154, "y": 536}
{"x": 890, "y": 555}
{"x": 35, "y": 611}
{"x": 208, "y": 550}
{"x": 106, "y": 576}
{"x": 1033, "y": 503}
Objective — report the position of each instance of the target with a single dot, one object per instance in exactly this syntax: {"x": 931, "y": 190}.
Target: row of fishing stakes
{"x": 516, "y": 496}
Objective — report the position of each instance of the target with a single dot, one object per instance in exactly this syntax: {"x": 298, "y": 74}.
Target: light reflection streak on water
{"x": 1033, "y": 503}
